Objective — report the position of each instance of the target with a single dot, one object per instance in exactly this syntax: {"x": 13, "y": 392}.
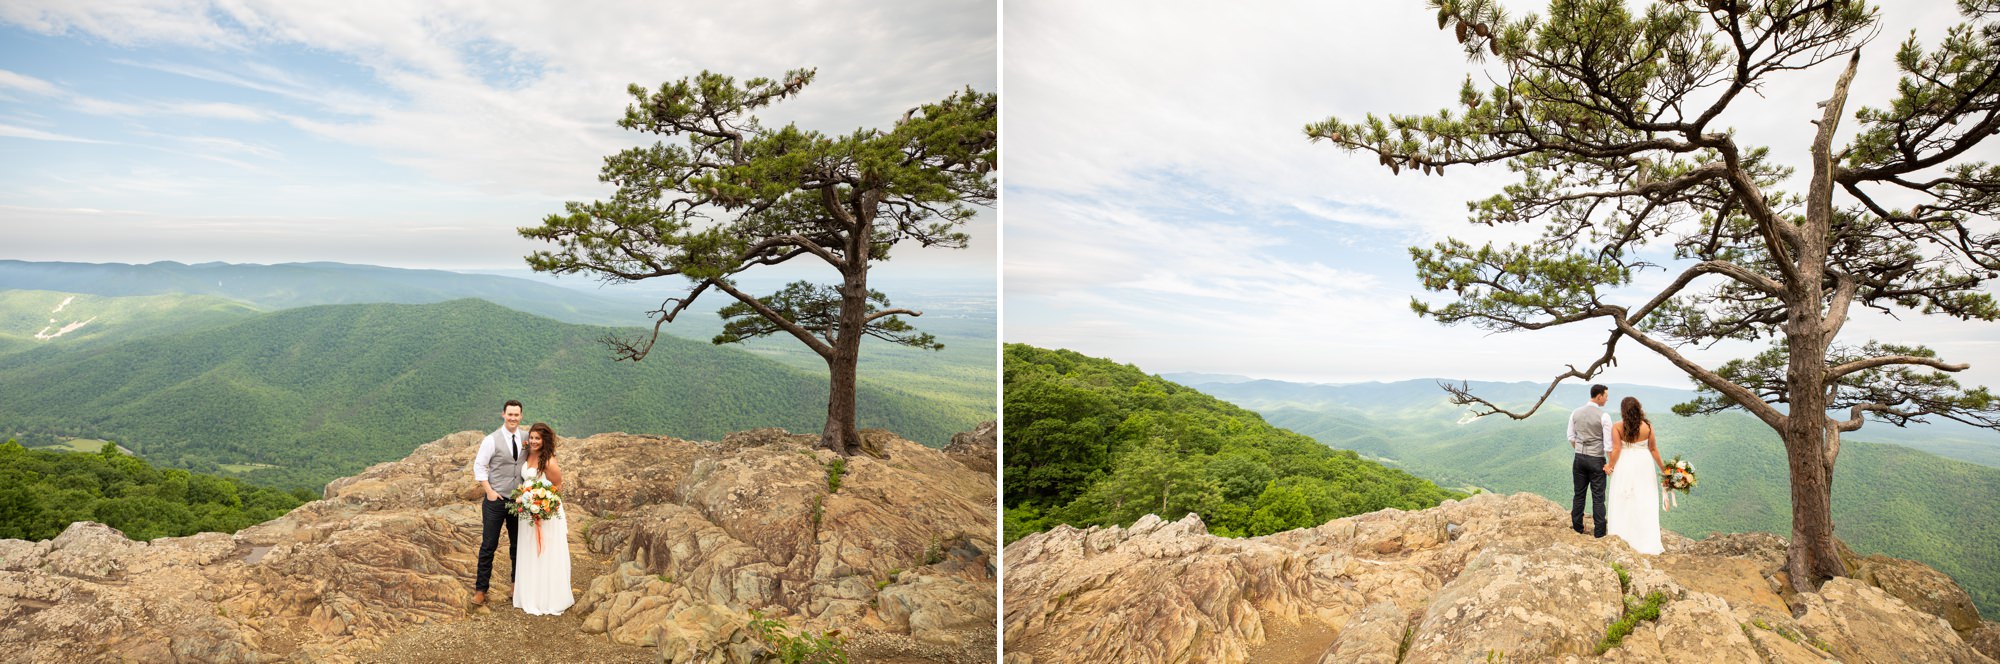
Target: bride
{"x": 1633, "y": 492}
{"x": 541, "y": 570}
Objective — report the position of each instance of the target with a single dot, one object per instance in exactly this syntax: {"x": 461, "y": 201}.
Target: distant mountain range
{"x": 956, "y": 311}
{"x": 1888, "y": 498}
{"x": 302, "y": 396}
{"x": 290, "y": 285}
{"x": 31, "y": 319}
{"x": 1944, "y": 438}
{"x": 295, "y": 374}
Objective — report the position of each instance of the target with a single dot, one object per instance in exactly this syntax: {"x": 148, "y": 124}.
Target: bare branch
{"x": 1461, "y": 394}
{"x": 634, "y": 351}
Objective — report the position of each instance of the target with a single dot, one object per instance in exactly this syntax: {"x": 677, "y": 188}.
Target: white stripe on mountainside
{"x": 45, "y": 335}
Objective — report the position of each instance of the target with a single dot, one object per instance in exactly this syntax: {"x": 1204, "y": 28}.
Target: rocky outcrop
{"x": 1488, "y": 578}
{"x": 699, "y": 536}
{"x": 976, "y": 448}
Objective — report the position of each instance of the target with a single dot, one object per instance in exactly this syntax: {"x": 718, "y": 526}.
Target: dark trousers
{"x": 1586, "y": 474}
{"x": 493, "y": 514}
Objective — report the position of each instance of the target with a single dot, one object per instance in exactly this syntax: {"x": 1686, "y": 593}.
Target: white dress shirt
{"x": 493, "y": 444}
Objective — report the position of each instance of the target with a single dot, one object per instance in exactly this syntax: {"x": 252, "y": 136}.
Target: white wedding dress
{"x": 541, "y": 580}
{"x": 1632, "y": 496}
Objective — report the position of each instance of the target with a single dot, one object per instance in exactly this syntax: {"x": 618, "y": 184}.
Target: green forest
{"x": 1093, "y": 442}
{"x": 43, "y": 491}
{"x": 299, "y": 397}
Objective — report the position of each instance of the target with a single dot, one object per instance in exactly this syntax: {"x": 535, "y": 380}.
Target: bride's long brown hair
{"x": 1628, "y": 409}
{"x": 548, "y": 444}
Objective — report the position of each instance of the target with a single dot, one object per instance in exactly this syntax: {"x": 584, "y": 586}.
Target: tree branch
{"x": 1835, "y": 373}
{"x": 1461, "y": 394}
{"x": 626, "y": 350}
{"x": 1737, "y": 393}
{"x": 801, "y": 333}
{"x": 885, "y": 313}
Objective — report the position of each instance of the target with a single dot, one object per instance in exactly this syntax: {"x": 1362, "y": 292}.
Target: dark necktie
{"x": 515, "y": 445}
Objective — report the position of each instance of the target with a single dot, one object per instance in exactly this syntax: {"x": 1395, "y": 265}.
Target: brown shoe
{"x": 479, "y": 597}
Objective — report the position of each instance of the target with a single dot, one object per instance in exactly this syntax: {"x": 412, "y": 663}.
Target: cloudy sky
{"x": 406, "y": 134}
{"x": 1164, "y": 208}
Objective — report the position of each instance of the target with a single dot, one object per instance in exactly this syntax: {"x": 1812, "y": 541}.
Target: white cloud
{"x": 230, "y": 145}
{"x": 25, "y": 83}
{"x": 547, "y": 121}
{"x": 39, "y": 135}
{"x": 123, "y": 22}
{"x": 513, "y": 102}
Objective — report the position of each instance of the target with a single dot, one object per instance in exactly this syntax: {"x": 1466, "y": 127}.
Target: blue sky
{"x": 1164, "y": 208}
{"x": 406, "y": 134}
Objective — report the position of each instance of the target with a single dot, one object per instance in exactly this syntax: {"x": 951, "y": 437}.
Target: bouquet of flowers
{"x": 538, "y": 501}
{"x": 1676, "y": 476}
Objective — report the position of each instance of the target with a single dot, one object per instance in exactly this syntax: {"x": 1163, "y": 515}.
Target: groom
{"x": 498, "y": 469}
{"x": 1588, "y": 427}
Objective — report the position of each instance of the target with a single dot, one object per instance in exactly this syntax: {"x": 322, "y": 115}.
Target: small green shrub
{"x": 1624, "y": 578}
{"x": 834, "y": 469}
{"x": 1635, "y": 611}
{"x": 934, "y": 553}
{"x": 802, "y": 648}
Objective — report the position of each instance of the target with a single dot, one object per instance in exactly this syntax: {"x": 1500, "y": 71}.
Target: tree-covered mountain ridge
{"x": 300, "y": 396}
{"x": 1093, "y": 442}
{"x": 117, "y": 301}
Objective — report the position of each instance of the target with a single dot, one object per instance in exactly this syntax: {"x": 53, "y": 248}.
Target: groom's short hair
{"x": 516, "y": 403}
{"x": 1595, "y": 390}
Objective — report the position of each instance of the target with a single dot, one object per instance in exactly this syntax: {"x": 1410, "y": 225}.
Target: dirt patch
{"x": 1303, "y": 642}
{"x": 500, "y": 629}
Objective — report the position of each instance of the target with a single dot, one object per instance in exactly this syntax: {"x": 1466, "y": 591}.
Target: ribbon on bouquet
{"x": 538, "y": 536}
{"x": 1666, "y": 498}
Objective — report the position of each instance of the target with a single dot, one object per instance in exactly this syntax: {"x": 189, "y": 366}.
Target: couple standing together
{"x": 508, "y": 458}
{"x": 1617, "y": 453}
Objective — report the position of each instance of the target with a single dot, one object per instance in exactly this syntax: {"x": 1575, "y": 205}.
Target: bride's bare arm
{"x": 1653, "y": 444}
{"x": 555, "y": 474}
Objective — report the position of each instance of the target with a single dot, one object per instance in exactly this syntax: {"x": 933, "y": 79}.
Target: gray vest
{"x": 1587, "y": 430}
{"x": 503, "y": 472}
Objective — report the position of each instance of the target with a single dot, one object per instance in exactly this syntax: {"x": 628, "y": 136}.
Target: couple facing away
{"x": 1616, "y": 453}
{"x": 510, "y": 458}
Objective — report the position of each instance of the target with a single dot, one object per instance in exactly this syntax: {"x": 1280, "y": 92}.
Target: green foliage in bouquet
{"x": 542, "y": 501}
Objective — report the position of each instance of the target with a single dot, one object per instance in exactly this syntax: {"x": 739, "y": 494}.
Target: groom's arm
{"x": 1569, "y": 431}
{"x": 479, "y": 462}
